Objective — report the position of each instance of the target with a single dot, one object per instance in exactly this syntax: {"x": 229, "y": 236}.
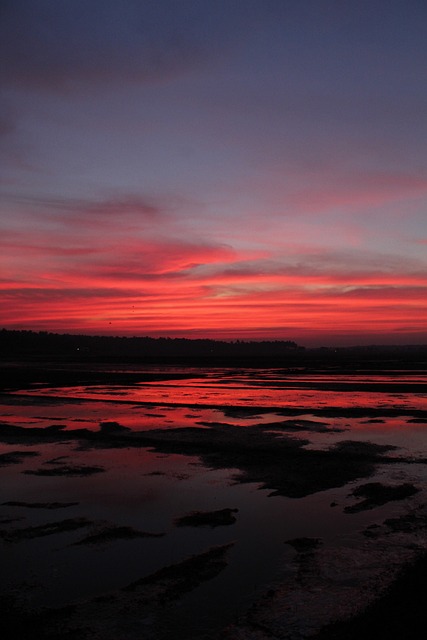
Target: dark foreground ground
{"x": 399, "y": 613}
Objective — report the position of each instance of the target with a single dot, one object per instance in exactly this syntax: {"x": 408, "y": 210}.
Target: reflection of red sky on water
{"x": 394, "y": 431}
{"x": 188, "y": 393}
{"x": 205, "y": 394}
{"x": 89, "y": 415}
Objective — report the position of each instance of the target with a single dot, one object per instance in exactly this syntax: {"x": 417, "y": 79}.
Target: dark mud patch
{"x": 414, "y": 521}
{"x": 279, "y": 464}
{"x": 304, "y": 545}
{"x": 355, "y": 412}
{"x": 55, "y": 428}
{"x": 173, "y": 581}
{"x": 56, "y": 460}
{"x": 107, "y": 428}
{"x": 356, "y": 447}
{"x": 210, "y": 424}
{"x": 277, "y": 461}
{"x": 229, "y": 438}
{"x": 301, "y": 425}
{"x": 48, "y": 529}
{"x": 16, "y": 457}
{"x": 13, "y": 434}
{"x": 111, "y": 533}
{"x": 155, "y": 473}
{"x": 306, "y": 560}
{"x": 147, "y": 608}
{"x": 155, "y": 415}
{"x": 218, "y": 518}
{"x": 66, "y": 470}
{"x": 23, "y": 400}
{"x": 40, "y": 505}
{"x": 399, "y": 613}
{"x": 376, "y": 494}
{"x": 181, "y": 476}
{"x": 246, "y": 412}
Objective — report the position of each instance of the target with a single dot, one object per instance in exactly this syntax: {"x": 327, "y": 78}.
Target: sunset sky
{"x": 232, "y": 169}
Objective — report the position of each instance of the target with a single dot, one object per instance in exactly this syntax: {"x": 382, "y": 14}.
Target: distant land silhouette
{"x": 26, "y": 344}
{"x": 44, "y": 342}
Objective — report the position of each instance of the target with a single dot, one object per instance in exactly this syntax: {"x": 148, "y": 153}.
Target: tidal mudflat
{"x": 177, "y": 502}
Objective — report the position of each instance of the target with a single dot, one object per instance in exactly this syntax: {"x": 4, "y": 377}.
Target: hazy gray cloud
{"x": 61, "y": 44}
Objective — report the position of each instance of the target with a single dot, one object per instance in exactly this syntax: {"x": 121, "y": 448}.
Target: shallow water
{"x": 148, "y": 490}
{"x": 263, "y": 388}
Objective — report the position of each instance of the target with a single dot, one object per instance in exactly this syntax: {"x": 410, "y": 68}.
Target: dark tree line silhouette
{"x": 19, "y": 342}
{"x": 43, "y": 345}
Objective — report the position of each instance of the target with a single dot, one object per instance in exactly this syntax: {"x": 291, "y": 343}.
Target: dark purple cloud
{"x": 60, "y": 44}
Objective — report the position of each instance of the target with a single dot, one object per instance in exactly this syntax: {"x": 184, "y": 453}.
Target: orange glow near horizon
{"x": 163, "y": 287}
{"x": 361, "y": 306}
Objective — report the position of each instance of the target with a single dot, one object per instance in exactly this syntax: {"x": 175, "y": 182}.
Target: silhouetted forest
{"x": 15, "y": 342}
{"x": 23, "y": 345}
